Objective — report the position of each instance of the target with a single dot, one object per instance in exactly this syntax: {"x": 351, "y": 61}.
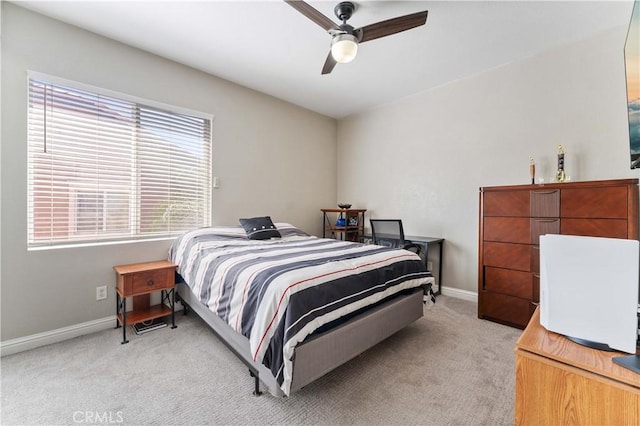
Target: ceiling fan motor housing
{"x": 344, "y": 10}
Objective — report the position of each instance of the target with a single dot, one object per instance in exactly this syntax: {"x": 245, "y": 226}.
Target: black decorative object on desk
{"x": 344, "y": 206}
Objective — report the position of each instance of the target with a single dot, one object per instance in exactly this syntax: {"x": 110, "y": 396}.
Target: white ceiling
{"x": 270, "y": 47}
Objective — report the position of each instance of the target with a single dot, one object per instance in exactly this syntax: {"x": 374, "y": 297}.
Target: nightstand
{"x": 139, "y": 280}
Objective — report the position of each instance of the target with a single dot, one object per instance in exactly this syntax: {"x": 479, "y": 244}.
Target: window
{"x": 106, "y": 211}
{"x": 103, "y": 167}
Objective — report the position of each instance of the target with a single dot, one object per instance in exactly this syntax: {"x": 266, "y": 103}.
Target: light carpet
{"x": 448, "y": 368}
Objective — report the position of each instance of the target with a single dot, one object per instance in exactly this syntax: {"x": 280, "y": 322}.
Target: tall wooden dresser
{"x": 512, "y": 218}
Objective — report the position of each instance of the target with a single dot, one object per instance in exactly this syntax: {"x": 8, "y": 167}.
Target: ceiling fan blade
{"x": 328, "y": 64}
{"x": 312, "y": 14}
{"x": 391, "y": 26}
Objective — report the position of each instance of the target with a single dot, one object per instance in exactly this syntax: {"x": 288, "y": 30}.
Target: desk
{"x": 559, "y": 382}
{"x": 425, "y": 242}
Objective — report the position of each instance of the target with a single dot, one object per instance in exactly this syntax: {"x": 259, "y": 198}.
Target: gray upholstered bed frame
{"x": 319, "y": 353}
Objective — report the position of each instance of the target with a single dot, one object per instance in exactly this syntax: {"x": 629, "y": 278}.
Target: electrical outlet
{"x": 101, "y": 292}
{"x": 430, "y": 266}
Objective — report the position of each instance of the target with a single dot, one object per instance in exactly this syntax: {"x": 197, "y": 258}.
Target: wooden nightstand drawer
{"x": 143, "y": 278}
{"x": 151, "y": 280}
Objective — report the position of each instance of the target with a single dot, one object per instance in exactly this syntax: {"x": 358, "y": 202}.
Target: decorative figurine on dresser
{"x": 532, "y": 170}
{"x": 561, "y": 175}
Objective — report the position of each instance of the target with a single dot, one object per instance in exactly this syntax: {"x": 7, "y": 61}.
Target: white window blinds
{"x": 102, "y": 168}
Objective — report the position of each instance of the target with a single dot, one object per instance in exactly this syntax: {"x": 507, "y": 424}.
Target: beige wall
{"x": 272, "y": 158}
{"x": 423, "y": 159}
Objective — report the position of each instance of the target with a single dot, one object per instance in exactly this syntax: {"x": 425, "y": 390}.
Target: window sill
{"x": 98, "y": 243}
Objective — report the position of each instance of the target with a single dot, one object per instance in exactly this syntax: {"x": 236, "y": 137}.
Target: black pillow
{"x": 260, "y": 228}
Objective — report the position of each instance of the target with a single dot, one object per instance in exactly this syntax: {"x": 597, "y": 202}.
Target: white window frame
{"x": 84, "y": 189}
{"x": 135, "y": 219}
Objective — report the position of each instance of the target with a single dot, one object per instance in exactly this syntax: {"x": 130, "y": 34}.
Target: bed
{"x": 293, "y": 308}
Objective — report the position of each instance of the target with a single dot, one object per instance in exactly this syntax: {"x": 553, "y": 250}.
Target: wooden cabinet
{"x": 138, "y": 281}
{"x": 559, "y": 382}
{"x": 512, "y": 219}
{"x": 343, "y": 224}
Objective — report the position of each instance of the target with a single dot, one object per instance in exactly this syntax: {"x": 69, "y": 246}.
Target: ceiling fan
{"x": 345, "y": 38}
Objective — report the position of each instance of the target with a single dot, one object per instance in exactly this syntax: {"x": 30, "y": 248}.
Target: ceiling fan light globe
{"x": 344, "y": 48}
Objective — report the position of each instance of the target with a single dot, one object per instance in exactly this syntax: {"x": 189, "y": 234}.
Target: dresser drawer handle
{"x": 546, "y": 220}
{"x": 150, "y": 282}
{"x": 546, "y": 192}
{"x": 536, "y": 275}
{"x": 535, "y": 303}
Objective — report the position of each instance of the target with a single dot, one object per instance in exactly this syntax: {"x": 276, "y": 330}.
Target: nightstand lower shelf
{"x": 141, "y": 315}
{"x": 145, "y": 313}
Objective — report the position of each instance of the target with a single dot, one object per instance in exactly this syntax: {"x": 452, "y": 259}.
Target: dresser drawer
{"x": 545, "y": 203}
{"x": 507, "y": 229}
{"x": 507, "y": 255}
{"x": 542, "y": 226}
{"x": 505, "y": 203}
{"x": 535, "y": 259}
{"x": 604, "y": 203}
{"x": 505, "y": 309}
{"x": 610, "y": 228}
{"x": 507, "y": 281}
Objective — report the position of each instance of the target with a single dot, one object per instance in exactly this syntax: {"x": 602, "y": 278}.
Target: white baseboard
{"x": 20, "y": 344}
{"x": 471, "y": 296}
{"x": 33, "y": 341}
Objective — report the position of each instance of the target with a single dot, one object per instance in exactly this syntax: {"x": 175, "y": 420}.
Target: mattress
{"x": 278, "y": 292}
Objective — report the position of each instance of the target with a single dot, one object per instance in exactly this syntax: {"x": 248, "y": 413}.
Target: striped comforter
{"x": 276, "y": 292}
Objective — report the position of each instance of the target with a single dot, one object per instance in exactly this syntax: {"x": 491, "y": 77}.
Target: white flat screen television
{"x": 589, "y": 289}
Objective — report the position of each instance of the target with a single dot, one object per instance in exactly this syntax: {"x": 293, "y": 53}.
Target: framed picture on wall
{"x": 632, "y": 67}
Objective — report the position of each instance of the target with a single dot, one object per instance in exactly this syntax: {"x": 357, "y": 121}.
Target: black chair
{"x": 389, "y": 232}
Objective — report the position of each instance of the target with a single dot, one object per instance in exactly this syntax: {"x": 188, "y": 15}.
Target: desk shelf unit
{"x": 353, "y": 230}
